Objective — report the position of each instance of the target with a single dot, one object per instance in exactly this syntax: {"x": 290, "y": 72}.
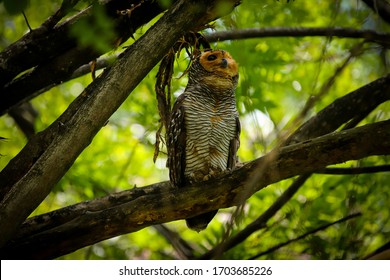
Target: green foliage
{"x": 15, "y": 7}
{"x": 277, "y": 76}
{"x": 96, "y": 32}
{"x": 165, "y": 3}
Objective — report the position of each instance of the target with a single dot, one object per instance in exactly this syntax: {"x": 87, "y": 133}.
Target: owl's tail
{"x": 200, "y": 222}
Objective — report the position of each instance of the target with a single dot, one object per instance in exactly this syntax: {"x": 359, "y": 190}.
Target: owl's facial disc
{"x": 219, "y": 62}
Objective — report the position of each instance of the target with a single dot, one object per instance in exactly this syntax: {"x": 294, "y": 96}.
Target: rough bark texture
{"x": 60, "y": 232}
{"x": 30, "y": 176}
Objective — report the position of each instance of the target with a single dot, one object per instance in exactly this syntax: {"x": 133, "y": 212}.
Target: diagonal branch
{"x": 343, "y": 110}
{"x": 76, "y": 226}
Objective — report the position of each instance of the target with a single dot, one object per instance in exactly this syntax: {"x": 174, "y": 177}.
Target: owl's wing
{"x": 177, "y": 143}
{"x": 234, "y": 145}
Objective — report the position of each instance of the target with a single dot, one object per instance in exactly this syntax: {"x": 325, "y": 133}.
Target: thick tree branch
{"x": 343, "y": 110}
{"x": 29, "y": 177}
{"x": 63, "y": 231}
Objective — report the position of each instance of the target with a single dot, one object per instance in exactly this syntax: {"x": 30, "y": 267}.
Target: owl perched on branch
{"x": 204, "y": 129}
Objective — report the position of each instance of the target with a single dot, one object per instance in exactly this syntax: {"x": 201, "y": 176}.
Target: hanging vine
{"x": 191, "y": 43}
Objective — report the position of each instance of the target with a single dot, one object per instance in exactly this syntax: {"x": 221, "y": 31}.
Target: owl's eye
{"x": 211, "y": 57}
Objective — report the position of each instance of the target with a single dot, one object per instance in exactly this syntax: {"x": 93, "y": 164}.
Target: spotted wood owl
{"x": 204, "y": 129}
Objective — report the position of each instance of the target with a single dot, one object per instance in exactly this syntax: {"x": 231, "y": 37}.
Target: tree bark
{"x": 30, "y": 176}
{"x": 63, "y": 231}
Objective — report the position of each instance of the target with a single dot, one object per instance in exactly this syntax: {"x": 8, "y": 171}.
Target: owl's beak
{"x": 224, "y": 63}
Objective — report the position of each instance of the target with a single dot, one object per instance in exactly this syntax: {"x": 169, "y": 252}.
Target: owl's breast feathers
{"x": 204, "y": 137}
{"x": 204, "y": 131}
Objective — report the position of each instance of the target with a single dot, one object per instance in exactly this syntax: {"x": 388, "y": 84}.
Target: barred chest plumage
{"x": 211, "y": 125}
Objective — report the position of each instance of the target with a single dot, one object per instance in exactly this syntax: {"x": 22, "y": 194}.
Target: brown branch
{"x": 34, "y": 48}
{"x": 53, "y": 20}
{"x": 368, "y": 35}
{"x": 30, "y": 176}
{"x": 382, "y": 253}
{"x": 344, "y": 109}
{"x": 65, "y": 230}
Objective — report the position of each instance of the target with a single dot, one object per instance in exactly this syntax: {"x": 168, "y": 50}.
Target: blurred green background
{"x": 277, "y": 76}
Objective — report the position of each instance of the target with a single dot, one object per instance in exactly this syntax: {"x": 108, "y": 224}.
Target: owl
{"x": 204, "y": 128}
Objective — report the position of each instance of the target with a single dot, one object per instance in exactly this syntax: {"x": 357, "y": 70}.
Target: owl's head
{"x": 215, "y": 68}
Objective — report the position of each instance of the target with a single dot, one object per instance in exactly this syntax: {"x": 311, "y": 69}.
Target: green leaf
{"x": 15, "y": 7}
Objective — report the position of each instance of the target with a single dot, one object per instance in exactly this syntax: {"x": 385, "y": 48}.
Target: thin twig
{"x": 181, "y": 246}
{"x": 354, "y": 52}
{"x": 26, "y": 20}
{"x": 310, "y": 232}
{"x": 355, "y": 170}
{"x": 341, "y": 32}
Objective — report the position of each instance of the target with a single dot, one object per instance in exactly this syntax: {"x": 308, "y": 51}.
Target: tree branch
{"x": 354, "y": 170}
{"x": 344, "y": 109}
{"x": 368, "y": 35}
{"x": 30, "y": 176}
{"x": 76, "y": 226}
{"x": 61, "y": 69}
